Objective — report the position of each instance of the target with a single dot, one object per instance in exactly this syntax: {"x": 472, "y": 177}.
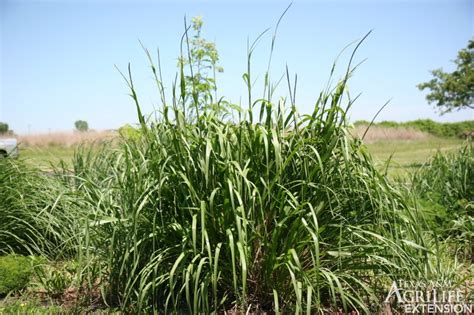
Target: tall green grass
{"x": 444, "y": 187}
{"x": 40, "y": 215}
{"x": 449, "y": 175}
{"x": 272, "y": 211}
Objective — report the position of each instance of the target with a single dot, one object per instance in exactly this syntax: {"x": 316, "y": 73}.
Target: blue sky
{"x": 57, "y": 57}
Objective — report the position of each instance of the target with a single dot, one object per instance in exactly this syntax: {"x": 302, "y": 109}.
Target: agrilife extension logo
{"x": 430, "y": 297}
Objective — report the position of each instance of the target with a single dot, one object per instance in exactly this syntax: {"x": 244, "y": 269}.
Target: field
{"x": 45, "y": 158}
{"x": 48, "y": 149}
{"x": 406, "y": 156}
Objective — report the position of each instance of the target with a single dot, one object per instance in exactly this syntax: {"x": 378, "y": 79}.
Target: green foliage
{"x": 455, "y": 90}
{"x": 40, "y": 215}
{"x": 445, "y": 187}
{"x": 3, "y": 128}
{"x": 129, "y": 132}
{"x": 362, "y": 123}
{"x": 453, "y": 129}
{"x": 281, "y": 212}
{"x": 81, "y": 125}
{"x": 449, "y": 175}
{"x": 199, "y": 67}
{"x": 220, "y": 215}
{"x": 29, "y": 306}
{"x": 54, "y": 280}
{"x": 389, "y": 124}
{"x": 15, "y": 273}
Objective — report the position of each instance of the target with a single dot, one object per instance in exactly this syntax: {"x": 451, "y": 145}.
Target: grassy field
{"x": 45, "y": 157}
{"x": 407, "y": 155}
{"x": 44, "y": 149}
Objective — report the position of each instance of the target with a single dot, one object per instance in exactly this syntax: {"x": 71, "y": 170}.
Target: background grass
{"x": 439, "y": 129}
{"x": 407, "y": 156}
{"x": 43, "y": 157}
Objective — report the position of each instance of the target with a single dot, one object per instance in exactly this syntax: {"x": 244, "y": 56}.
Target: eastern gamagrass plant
{"x": 271, "y": 211}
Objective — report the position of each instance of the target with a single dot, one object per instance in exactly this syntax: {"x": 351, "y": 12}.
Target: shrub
{"x": 15, "y": 273}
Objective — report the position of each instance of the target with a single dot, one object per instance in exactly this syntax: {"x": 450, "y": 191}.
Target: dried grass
{"x": 63, "y": 139}
{"x": 377, "y": 133}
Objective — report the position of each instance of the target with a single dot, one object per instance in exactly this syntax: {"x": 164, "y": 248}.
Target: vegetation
{"x": 202, "y": 61}
{"x": 129, "y": 132}
{"x": 213, "y": 214}
{"x": 3, "y": 128}
{"x": 211, "y": 207}
{"x": 40, "y": 215}
{"x": 15, "y": 273}
{"x": 400, "y": 158}
{"x": 453, "y": 129}
{"x": 453, "y": 91}
{"x": 406, "y": 156}
{"x": 81, "y": 125}
{"x": 445, "y": 188}
{"x": 29, "y": 306}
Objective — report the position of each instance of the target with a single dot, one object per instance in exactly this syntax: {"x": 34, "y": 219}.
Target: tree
{"x": 455, "y": 90}
{"x": 81, "y": 125}
{"x": 3, "y": 128}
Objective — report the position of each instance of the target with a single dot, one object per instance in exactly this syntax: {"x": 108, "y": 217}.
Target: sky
{"x": 57, "y": 58}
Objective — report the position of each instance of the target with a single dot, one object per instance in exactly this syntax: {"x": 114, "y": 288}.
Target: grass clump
{"x": 449, "y": 175}
{"x": 211, "y": 215}
{"x": 270, "y": 211}
{"x": 445, "y": 188}
{"x": 39, "y": 213}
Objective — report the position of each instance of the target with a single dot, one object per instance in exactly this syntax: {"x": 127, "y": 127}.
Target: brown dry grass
{"x": 63, "y": 139}
{"x": 377, "y": 133}
{"x": 70, "y": 139}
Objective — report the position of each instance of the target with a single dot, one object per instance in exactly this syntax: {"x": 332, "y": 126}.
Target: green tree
{"x": 3, "y": 128}
{"x": 81, "y": 125}
{"x": 455, "y": 90}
